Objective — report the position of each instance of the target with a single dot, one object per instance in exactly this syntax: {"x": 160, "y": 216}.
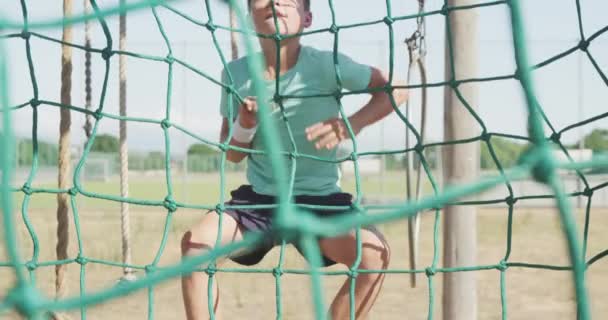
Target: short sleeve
{"x": 355, "y": 76}
{"x": 227, "y": 98}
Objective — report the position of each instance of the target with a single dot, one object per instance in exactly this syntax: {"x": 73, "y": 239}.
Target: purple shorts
{"x": 261, "y": 219}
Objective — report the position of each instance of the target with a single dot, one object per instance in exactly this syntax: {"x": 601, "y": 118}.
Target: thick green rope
{"x": 292, "y": 222}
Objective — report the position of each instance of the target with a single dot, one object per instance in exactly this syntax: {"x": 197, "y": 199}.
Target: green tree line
{"x": 48, "y": 153}
{"x": 204, "y": 158}
{"x": 507, "y": 151}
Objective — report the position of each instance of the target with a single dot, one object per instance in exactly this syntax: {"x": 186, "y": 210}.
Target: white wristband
{"x": 242, "y": 135}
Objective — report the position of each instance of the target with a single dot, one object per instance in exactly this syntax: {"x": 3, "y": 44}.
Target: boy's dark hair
{"x": 306, "y": 4}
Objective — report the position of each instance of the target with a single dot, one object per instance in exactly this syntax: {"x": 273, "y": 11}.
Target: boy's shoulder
{"x": 316, "y": 51}
{"x": 310, "y": 55}
{"x": 307, "y": 52}
{"x": 237, "y": 65}
{"x": 325, "y": 58}
{"x": 317, "y": 55}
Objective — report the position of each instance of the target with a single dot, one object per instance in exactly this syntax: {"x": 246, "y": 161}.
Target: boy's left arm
{"x": 328, "y": 134}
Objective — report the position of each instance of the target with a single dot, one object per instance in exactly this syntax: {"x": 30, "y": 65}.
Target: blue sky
{"x": 552, "y": 27}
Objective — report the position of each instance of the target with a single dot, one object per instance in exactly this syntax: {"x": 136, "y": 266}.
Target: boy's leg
{"x": 375, "y": 255}
{"x": 202, "y": 237}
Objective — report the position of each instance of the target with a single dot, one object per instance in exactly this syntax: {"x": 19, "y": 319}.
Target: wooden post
{"x": 461, "y": 166}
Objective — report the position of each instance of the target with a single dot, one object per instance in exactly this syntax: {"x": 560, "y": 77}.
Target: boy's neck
{"x": 289, "y": 51}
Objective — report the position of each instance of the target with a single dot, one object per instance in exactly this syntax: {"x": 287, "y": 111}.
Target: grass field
{"x": 196, "y": 190}
{"x": 531, "y": 293}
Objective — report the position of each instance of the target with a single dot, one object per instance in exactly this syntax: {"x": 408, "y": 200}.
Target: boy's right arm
{"x": 247, "y": 119}
{"x": 233, "y": 155}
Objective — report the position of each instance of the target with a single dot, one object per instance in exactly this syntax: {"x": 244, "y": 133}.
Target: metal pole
{"x": 461, "y": 165}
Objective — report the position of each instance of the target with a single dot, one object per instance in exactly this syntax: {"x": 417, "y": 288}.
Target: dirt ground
{"x": 531, "y": 293}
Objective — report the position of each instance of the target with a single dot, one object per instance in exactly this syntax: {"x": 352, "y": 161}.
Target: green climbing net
{"x": 291, "y": 222}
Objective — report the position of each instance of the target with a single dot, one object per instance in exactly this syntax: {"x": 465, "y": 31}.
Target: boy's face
{"x": 292, "y": 16}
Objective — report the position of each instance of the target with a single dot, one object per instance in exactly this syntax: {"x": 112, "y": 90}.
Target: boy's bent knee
{"x": 376, "y": 256}
{"x": 203, "y": 236}
{"x": 191, "y": 247}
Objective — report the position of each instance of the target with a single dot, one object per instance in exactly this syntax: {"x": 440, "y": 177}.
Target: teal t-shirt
{"x": 313, "y": 74}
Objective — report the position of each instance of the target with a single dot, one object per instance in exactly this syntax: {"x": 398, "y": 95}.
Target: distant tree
{"x": 597, "y": 140}
{"x": 432, "y": 157}
{"x": 201, "y": 149}
{"x": 393, "y": 162}
{"x": 506, "y": 151}
{"x": 105, "y": 143}
{"x": 154, "y": 161}
{"x": 47, "y": 153}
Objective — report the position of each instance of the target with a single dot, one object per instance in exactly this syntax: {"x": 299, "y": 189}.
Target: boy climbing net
{"x": 293, "y": 73}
